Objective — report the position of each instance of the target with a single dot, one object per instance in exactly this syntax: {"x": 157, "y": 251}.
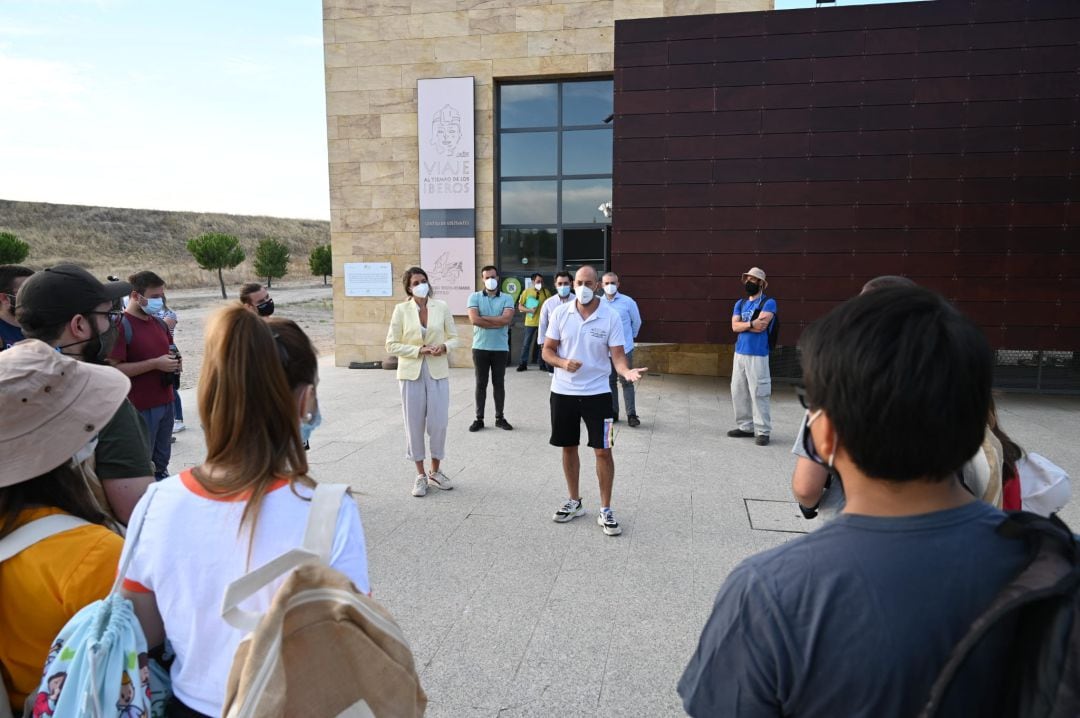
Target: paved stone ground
{"x": 511, "y": 614}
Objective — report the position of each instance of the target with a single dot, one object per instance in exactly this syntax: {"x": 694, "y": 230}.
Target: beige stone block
{"x": 378, "y": 173}
{"x": 345, "y": 174}
{"x": 485, "y": 221}
{"x": 337, "y": 150}
{"x": 407, "y": 243}
{"x": 693, "y": 364}
{"x": 341, "y": 79}
{"x": 347, "y": 103}
{"x": 336, "y": 55}
{"x": 492, "y": 20}
{"x": 391, "y": 52}
{"x": 743, "y": 5}
{"x": 515, "y": 67}
{"x": 551, "y": 42}
{"x": 351, "y": 196}
{"x": 331, "y": 128}
{"x": 563, "y": 64}
{"x": 379, "y": 77}
{"x": 426, "y": 6}
{"x": 628, "y": 9}
{"x": 360, "y": 29}
{"x": 507, "y": 44}
{"x": 328, "y": 31}
{"x": 484, "y": 147}
{"x": 400, "y": 196}
{"x": 449, "y": 49}
{"x": 360, "y": 126}
{"x": 602, "y": 62}
{"x": 485, "y": 172}
{"x": 445, "y": 24}
{"x": 368, "y": 8}
{"x": 689, "y": 7}
{"x": 541, "y": 17}
{"x": 404, "y": 149}
{"x": 398, "y": 125}
{"x": 596, "y": 13}
{"x": 362, "y": 310}
{"x": 393, "y": 101}
{"x": 485, "y": 196}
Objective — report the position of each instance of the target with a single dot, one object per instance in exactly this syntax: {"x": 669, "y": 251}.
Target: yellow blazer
{"x": 404, "y": 339}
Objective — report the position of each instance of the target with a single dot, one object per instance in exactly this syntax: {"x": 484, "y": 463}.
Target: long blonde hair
{"x": 249, "y": 414}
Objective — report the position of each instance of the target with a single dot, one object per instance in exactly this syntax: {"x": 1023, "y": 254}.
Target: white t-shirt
{"x": 192, "y": 547}
{"x": 589, "y": 341}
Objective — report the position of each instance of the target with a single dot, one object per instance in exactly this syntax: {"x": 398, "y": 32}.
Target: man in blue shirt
{"x": 12, "y": 277}
{"x": 751, "y": 383}
{"x": 858, "y": 618}
{"x": 627, "y": 310}
{"x": 490, "y": 312}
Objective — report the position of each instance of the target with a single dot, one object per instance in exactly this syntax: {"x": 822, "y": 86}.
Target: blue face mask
{"x": 155, "y": 305}
{"x": 306, "y": 428}
{"x": 564, "y": 291}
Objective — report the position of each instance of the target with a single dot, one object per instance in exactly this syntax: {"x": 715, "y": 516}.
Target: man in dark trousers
{"x": 490, "y": 311}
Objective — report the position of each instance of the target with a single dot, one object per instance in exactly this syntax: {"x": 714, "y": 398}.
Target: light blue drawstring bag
{"x": 98, "y": 665}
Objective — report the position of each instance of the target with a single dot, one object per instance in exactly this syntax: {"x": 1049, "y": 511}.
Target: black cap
{"x": 54, "y": 295}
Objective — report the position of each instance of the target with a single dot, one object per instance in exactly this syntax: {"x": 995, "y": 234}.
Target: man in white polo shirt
{"x": 581, "y": 335}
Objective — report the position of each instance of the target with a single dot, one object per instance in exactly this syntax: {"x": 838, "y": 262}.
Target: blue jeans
{"x": 627, "y": 388}
{"x": 159, "y": 423}
{"x": 529, "y": 347}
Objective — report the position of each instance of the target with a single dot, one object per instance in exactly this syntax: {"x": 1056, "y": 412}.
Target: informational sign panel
{"x": 447, "y": 140}
{"x": 369, "y": 279}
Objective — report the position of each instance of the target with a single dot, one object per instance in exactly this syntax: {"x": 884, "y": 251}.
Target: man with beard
{"x": 68, "y": 308}
{"x": 12, "y": 277}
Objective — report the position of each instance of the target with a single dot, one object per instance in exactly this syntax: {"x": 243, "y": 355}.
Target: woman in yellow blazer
{"x": 421, "y": 333}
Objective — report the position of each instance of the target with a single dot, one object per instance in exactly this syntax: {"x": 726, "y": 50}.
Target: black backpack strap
{"x": 1053, "y": 570}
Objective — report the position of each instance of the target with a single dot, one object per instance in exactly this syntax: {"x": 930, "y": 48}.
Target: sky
{"x": 201, "y": 105}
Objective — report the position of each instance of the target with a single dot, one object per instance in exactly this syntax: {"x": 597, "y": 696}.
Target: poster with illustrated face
{"x": 447, "y": 144}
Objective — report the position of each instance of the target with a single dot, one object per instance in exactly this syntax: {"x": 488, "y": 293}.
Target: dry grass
{"x": 108, "y": 240}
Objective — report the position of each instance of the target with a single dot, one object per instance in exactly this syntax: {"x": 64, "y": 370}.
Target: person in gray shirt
{"x": 858, "y": 618}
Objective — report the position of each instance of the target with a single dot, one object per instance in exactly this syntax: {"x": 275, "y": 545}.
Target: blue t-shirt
{"x": 497, "y": 339}
{"x": 755, "y": 344}
{"x": 856, "y": 619}
{"x": 9, "y": 334}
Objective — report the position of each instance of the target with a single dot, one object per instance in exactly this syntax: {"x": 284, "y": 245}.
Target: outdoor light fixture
{"x": 609, "y": 118}
{"x": 605, "y": 208}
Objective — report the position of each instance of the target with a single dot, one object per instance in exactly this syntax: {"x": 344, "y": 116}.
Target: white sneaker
{"x": 611, "y": 527}
{"x": 420, "y": 488}
{"x": 439, "y": 480}
{"x": 178, "y": 426}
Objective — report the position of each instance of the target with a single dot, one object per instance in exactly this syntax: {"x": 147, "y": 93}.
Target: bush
{"x": 321, "y": 261}
{"x": 216, "y": 251}
{"x": 271, "y": 260}
{"x": 12, "y": 249}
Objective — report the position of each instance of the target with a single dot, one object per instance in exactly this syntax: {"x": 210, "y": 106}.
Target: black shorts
{"x": 567, "y": 412}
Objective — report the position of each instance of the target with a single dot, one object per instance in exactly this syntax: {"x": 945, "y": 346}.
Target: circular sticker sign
{"x": 511, "y": 285}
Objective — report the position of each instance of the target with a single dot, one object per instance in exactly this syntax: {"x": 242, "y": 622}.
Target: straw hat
{"x": 53, "y": 405}
{"x": 758, "y": 274}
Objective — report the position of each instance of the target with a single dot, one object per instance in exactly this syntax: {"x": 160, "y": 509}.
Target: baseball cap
{"x": 53, "y": 405}
{"x": 54, "y": 295}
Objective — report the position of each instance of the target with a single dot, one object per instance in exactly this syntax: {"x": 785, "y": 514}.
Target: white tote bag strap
{"x": 132, "y": 536}
{"x": 30, "y": 533}
{"x": 318, "y": 542}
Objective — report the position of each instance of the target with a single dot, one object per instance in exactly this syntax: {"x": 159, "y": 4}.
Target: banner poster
{"x": 447, "y": 140}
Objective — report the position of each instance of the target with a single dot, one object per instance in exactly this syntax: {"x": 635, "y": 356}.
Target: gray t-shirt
{"x": 856, "y": 619}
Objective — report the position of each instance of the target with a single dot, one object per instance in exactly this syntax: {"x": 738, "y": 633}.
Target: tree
{"x": 321, "y": 261}
{"x": 271, "y": 259}
{"x": 216, "y": 251}
{"x": 12, "y": 249}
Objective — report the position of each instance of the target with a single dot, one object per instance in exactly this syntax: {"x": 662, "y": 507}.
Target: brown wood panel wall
{"x": 937, "y": 140}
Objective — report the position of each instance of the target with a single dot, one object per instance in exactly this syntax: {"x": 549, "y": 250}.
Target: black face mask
{"x": 752, "y": 288}
{"x": 97, "y": 348}
{"x": 266, "y": 308}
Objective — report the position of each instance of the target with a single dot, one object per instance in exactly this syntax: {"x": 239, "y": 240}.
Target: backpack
{"x": 98, "y": 664}
{"x": 323, "y": 648}
{"x": 774, "y": 325}
{"x": 125, "y": 324}
{"x": 1044, "y": 601}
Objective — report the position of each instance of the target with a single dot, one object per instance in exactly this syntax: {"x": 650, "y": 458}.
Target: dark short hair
{"x": 9, "y": 273}
{"x": 887, "y": 280}
{"x": 488, "y": 268}
{"x": 534, "y": 275}
{"x": 297, "y": 355}
{"x": 141, "y": 281}
{"x": 247, "y": 290}
{"x": 406, "y": 279}
{"x": 905, "y": 379}
{"x": 564, "y": 273}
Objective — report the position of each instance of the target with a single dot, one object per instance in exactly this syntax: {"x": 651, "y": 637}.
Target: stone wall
{"x": 375, "y": 51}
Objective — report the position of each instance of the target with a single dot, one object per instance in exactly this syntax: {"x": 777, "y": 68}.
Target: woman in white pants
{"x": 421, "y": 333}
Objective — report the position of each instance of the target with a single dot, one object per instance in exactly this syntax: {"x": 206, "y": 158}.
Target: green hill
{"x": 110, "y": 240}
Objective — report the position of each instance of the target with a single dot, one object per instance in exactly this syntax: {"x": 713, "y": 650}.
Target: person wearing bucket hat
{"x": 751, "y": 383}
{"x": 54, "y": 407}
{"x": 70, "y": 310}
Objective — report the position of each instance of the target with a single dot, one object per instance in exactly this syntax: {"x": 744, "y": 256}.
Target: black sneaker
{"x": 740, "y": 434}
{"x": 615, "y": 420}
{"x": 807, "y": 513}
{"x": 762, "y": 440}
{"x": 632, "y": 420}
{"x": 503, "y": 424}
{"x": 522, "y": 367}
{"x": 476, "y": 425}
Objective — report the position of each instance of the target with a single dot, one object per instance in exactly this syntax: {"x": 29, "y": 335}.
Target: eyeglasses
{"x": 800, "y": 391}
{"x": 114, "y": 315}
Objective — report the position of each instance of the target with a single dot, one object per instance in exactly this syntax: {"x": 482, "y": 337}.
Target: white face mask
{"x": 538, "y": 286}
{"x": 491, "y": 283}
{"x": 584, "y": 294}
{"x": 610, "y": 289}
{"x": 86, "y": 452}
{"x": 421, "y": 290}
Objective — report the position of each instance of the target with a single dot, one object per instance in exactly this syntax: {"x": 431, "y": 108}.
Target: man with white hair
{"x": 751, "y": 383}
